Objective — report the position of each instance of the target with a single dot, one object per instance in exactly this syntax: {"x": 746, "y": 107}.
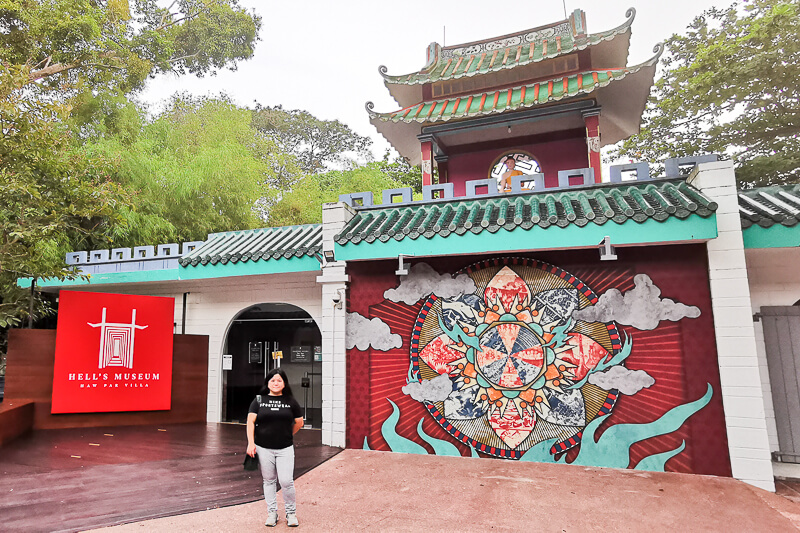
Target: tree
{"x": 303, "y": 205}
{"x": 93, "y": 53}
{"x": 77, "y": 62}
{"x": 730, "y": 85}
{"x": 197, "y": 168}
{"x": 317, "y": 145}
{"x": 111, "y": 43}
{"x": 54, "y": 198}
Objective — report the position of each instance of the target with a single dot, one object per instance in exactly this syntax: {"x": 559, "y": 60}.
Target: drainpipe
{"x": 30, "y": 303}
{"x": 183, "y": 316}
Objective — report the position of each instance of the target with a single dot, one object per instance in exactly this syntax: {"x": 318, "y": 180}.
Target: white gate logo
{"x": 116, "y": 342}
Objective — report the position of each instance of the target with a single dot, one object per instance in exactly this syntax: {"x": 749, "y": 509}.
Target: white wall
{"x": 741, "y": 378}
{"x": 774, "y": 275}
{"x": 212, "y": 305}
{"x": 334, "y": 280}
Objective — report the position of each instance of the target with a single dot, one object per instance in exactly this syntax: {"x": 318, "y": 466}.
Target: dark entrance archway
{"x": 253, "y": 338}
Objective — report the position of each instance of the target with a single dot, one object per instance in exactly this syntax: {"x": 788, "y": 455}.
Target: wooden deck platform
{"x": 76, "y": 479}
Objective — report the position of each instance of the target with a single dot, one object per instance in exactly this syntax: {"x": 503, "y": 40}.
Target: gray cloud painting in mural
{"x": 422, "y": 280}
{"x": 640, "y": 307}
{"x": 363, "y": 333}
{"x": 430, "y": 390}
{"x": 626, "y": 381}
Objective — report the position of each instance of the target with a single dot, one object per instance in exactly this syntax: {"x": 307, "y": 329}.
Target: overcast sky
{"x": 323, "y": 56}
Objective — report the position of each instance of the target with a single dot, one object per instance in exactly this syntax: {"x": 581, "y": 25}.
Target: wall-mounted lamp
{"x": 607, "y": 252}
{"x": 509, "y": 129}
{"x": 338, "y": 299}
{"x": 402, "y": 266}
{"x": 328, "y": 255}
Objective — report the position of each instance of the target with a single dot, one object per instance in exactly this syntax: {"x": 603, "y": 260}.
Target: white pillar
{"x": 742, "y": 395}
{"x": 334, "y": 281}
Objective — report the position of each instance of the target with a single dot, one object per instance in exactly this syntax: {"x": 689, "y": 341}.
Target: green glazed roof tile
{"x": 492, "y": 55}
{"x": 605, "y": 204}
{"x": 768, "y": 206}
{"x": 256, "y": 245}
{"x": 509, "y": 99}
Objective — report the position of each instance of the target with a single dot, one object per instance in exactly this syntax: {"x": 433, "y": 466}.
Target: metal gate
{"x": 782, "y": 339}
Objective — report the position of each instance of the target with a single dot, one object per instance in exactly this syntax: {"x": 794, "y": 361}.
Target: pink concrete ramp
{"x": 378, "y": 491}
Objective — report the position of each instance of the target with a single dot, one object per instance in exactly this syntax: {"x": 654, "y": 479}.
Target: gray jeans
{"x": 278, "y": 465}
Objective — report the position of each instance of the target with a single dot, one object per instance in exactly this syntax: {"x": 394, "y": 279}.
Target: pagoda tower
{"x": 551, "y": 97}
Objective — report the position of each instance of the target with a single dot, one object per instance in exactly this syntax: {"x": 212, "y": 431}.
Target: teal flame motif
{"x": 612, "y": 449}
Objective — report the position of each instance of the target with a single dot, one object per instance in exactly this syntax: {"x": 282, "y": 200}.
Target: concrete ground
{"x": 364, "y": 490}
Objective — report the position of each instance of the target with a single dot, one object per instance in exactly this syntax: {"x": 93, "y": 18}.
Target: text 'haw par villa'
{"x": 528, "y": 308}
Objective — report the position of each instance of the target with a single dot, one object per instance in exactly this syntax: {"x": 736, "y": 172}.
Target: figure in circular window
{"x": 510, "y": 165}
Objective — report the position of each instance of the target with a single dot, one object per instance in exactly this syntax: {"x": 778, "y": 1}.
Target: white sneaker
{"x": 291, "y": 520}
{"x": 272, "y": 519}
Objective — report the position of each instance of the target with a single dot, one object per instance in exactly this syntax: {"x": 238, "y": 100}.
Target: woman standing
{"x": 271, "y": 425}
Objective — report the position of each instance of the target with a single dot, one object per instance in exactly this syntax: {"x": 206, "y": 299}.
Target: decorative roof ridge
{"x": 519, "y": 33}
{"x": 656, "y": 200}
{"x": 258, "y": 230}
{"x": 658, "y": 49}
{"x": 677, "y": 180}
{"x": 580, "y": 43}
{"x": 257, "y": 244}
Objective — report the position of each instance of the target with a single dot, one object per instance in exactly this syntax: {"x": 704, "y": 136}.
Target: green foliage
{"x": 55, "y": 199}
{"x": 303, "y": 205}
{"x": 95, "y": 54}
{"x": 401, "y": 171}
{"x": 730, "y": 85}
{"x": 316, "y": 145}
{"x": 67, "y": 71}
{"x": 198, "y": 168}
{"x": 118, "y": 44}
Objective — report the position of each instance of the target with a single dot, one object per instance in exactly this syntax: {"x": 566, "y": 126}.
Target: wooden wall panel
{"x": 16, "y": 419}
{"x": 29, "y": 376}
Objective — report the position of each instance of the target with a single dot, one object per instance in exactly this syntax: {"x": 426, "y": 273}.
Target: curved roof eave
{"x": 621, "y": 116}
{"x": 402, "y": 136}
{"x": 393, "y": 83}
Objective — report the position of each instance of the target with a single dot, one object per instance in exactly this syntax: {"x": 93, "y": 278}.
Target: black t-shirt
{"x": 274, "y": 420}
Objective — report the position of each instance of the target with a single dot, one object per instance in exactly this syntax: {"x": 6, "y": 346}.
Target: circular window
{"x": 524, "y": 162}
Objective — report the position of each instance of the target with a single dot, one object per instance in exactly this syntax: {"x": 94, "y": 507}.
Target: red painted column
{"x": 593, "y": 144}
{"x": 427, "y": 163}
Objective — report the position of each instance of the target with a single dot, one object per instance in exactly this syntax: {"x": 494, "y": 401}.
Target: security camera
{"x": 337, "y": 299}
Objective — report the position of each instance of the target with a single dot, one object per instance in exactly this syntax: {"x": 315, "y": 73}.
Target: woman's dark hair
{"x": 287, "y": 389}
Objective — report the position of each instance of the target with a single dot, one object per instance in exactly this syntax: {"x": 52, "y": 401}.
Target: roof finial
{"x": 658, "y": 49}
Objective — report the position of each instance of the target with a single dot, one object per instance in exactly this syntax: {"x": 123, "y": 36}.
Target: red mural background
{"x": 681, "y": 356}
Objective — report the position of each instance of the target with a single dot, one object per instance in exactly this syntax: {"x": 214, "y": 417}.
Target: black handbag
{"x": 250, "y": 463}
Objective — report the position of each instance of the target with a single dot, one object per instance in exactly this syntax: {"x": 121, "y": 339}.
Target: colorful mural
{"x": 517, "y": 358}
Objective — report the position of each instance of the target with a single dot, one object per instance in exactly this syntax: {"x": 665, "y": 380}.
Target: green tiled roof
{"x": 510, "y": 99}
{"x": 512, "y": 51}
{"x": 768, "y": 206}
{"x": 256, "y": 245}
{"x": 640, "y": 202}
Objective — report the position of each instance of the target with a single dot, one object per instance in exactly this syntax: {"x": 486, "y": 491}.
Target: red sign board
{"x": 113, "y": 353}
